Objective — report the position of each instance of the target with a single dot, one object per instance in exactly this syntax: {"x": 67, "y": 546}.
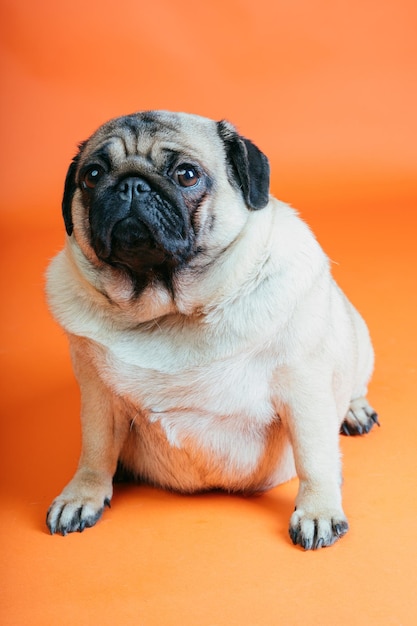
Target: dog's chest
{"x": 221, "y": 406}
{"x": 236, "y": 384}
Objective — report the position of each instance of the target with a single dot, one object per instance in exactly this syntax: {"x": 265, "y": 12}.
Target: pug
{"x": 212, "y": 347}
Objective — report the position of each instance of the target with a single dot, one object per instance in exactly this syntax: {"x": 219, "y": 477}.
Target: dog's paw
{"x": 359, "y": 419}
{"x": 312, "y": 532}
{"x": 79, "y": 506}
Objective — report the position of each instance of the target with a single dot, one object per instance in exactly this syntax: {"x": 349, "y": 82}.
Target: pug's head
{"x": 150, "y": 191}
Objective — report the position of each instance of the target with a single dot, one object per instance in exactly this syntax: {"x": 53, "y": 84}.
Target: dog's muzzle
{"x": 140, "y": 227}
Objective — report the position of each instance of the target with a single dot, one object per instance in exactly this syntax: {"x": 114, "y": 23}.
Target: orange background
{"x": 329, "y": 91}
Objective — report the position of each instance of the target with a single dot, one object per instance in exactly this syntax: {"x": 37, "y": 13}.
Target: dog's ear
{"x": 248, "y": 166}
{"x": 69, "y": 190}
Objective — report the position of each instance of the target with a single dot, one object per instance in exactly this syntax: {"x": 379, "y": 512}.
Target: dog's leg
{"x": 359, "y": 419}
{"x": 311, "y": 415}
{"x": 81, "y": 503}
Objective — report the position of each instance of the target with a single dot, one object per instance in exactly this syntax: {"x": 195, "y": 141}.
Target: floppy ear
{"x": 248, "y": 166}
{"x": 69, "y": 190}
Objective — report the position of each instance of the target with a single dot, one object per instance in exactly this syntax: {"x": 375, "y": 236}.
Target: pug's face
{"x": 146, "y": 190}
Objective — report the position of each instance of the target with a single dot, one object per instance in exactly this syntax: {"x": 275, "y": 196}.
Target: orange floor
{"x": 329, "y": 92}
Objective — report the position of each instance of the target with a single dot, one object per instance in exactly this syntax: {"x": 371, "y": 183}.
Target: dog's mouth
{"x": 131, "y": 245}
{"x": 143, "y": 235}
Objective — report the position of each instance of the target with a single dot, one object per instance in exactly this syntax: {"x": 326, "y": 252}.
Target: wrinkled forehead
{"x": 156, "y": 137}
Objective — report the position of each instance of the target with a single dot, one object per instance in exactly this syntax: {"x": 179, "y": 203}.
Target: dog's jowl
{"x": 211, "y": 345}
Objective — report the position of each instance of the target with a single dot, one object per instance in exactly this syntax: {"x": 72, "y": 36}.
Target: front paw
{"x": 312, "y": 530}
{"x": 79, "y": 506}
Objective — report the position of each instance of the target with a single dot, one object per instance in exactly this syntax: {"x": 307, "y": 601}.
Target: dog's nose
{"x": 128, "y": 188}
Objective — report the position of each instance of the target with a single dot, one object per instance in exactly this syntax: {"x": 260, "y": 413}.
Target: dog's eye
{"x": 92, "y": 176}
{"x": 186, "y": 175}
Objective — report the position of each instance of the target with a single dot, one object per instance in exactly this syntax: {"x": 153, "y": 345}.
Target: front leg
{"x": 104, "y": 429}
{"x": 313, "y": 423}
